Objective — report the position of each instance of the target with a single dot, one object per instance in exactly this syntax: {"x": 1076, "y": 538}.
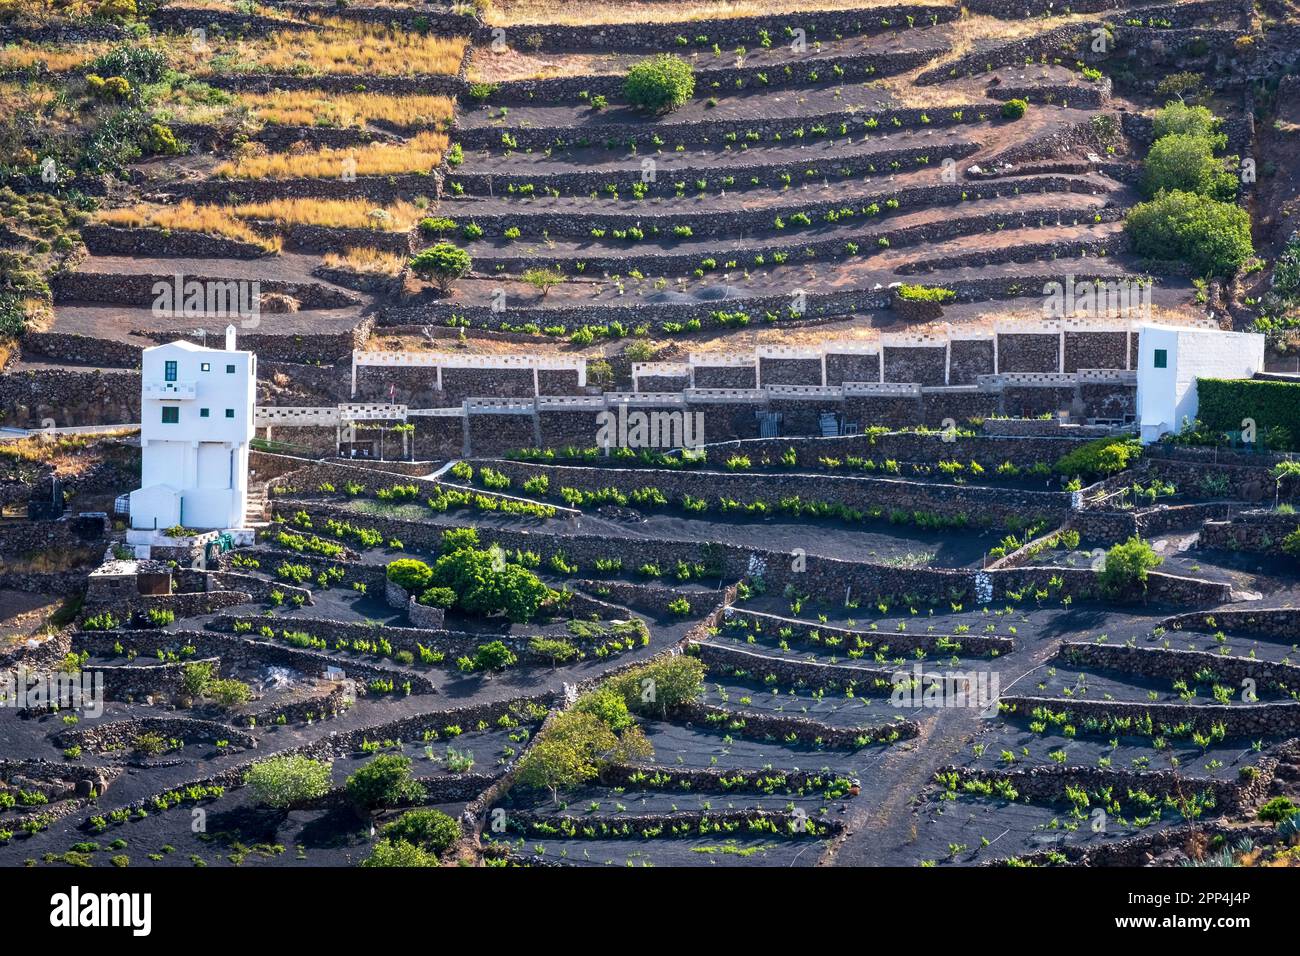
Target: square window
{"x": 171, "y": 415}
{"x": 205, "y": 367}
{"x": 1162, "y": 358}
{"x": 203, "y": 413}
{"x": 230, "y": 413}
{"x": 169, "y": 371}
{"x": 230, "y": 370}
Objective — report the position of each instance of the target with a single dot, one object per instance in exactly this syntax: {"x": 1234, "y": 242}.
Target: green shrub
{"x": 229, "y": 693}
{"x": 438, "y": 597}
{"x": 494, "y": 656}
{"x": 1014, "y": 109}
{"x": 1212, "y": 237}
{"x": 1176, "y": 118}
{"x": 384, "y": 782}
{"x": 430, "y": 829}
{"x": 443, "y": 264}
{"x": 1278, "y": 809}
{"x": 1100, "y": 458}
{"x": 1126, "y": 568}
{"x": 661, "y": 685}
{"x": 575, "y": 747}
{"x": 399, "y": 853}
{"x": 1186, "y": 162}
{"x": 925, "y": 293}
{"x": 410, "y": 574}
{"x": 660, "y": 83}
{"x": 284, "y": 782}
{"x": 1274, "y": 406}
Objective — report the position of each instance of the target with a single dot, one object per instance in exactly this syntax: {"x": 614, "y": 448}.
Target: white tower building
{"x": 196, "y": 420}
{"x": 1170, "y": 360}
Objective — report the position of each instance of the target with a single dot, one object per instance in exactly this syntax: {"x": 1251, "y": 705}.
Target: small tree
{"x": 574, "y": 748}
{"x": 542, "y": 279}
{"x": 443, "y": 264}
{"x": 494, "y": 656}
{"x": 399, "y": 853}
{"x": 660, "y": 83}
{"x": 1126, "y": 568}
{"x": 428, "y": 829}
{"x": 284, "y": 782}
{"x": 660, "y": 686}
{"x": 384, "y": 782}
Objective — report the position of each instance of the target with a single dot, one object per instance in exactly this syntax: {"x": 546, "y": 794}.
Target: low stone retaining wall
{"x": 105, "y": 240}
{"x": 765, "y": 726}
{"x": 1047, "y": 784}
{"x": 979, "y": 504}
{"x": 245, "y": 650}
{"x": 1262, "y": 532}
{"x": 1282, "y": 622}
{"x": 822, "y": 577}
{"x": 898, "y": 643}
{"x": 1173, "y": 664}
{"x": 1244, "y": 720}
{"x": 122, "y": 734}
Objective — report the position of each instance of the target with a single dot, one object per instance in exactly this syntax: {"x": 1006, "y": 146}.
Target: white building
{"x": 1172, "y": 358}
{"x": 196, "y": 420}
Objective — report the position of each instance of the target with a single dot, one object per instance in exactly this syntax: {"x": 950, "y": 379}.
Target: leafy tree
{"x": 574, "y": 748}
{"x": 1127, "y": 564}
{"x": 284, "y": 782}
{"x": 485, "y": 583}
{"x": 1182, "y": 85}
{"x": 542, "y": 278}
{"x": 494, "y": 656}
{"x": 443, "y": 264}
{"x": 1212, "y": 237}
{"x": 384, "y": 782}
{"x": 1186, "y": 161}
{"x": 399, "y": 853}
{"x": 660, "y": 83}
{"x": 1177, "y": 118}
{"x": 1278, "y": 809}
{"x": 608, "y": 705}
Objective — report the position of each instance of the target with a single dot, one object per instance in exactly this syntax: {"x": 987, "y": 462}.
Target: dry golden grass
{"x": 509, "y": 64}
{"x": 187, "y": 217}
{"x": 16, "y": 98}
{"x": 341, "y": 213}
{"x": 595, "y": 12}
{"x": 339, "y": 47}
{"x": 309, "y": 108}
{"x": 22, "y": 55}
{"x": 368, "y": 261}
{"x": 420, "y": 154}
{"x": 971, "y": 28}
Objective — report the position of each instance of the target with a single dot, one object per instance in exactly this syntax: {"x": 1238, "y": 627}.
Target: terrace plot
{"x": 855, "y": 56}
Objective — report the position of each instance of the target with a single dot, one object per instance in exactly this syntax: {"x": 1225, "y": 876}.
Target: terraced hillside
{"x": 888, "y": 580}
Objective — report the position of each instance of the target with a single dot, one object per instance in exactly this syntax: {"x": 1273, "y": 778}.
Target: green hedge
{"x": 1223, "y": 403}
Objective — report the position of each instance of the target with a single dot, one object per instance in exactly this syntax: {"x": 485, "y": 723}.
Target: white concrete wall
{"x": 1166, "y": 397}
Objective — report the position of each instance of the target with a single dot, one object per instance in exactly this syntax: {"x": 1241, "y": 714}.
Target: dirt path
{"x": 875, "y": 833}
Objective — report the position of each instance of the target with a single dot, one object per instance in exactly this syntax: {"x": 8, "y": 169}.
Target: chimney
{"x": 230, "y": 338}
